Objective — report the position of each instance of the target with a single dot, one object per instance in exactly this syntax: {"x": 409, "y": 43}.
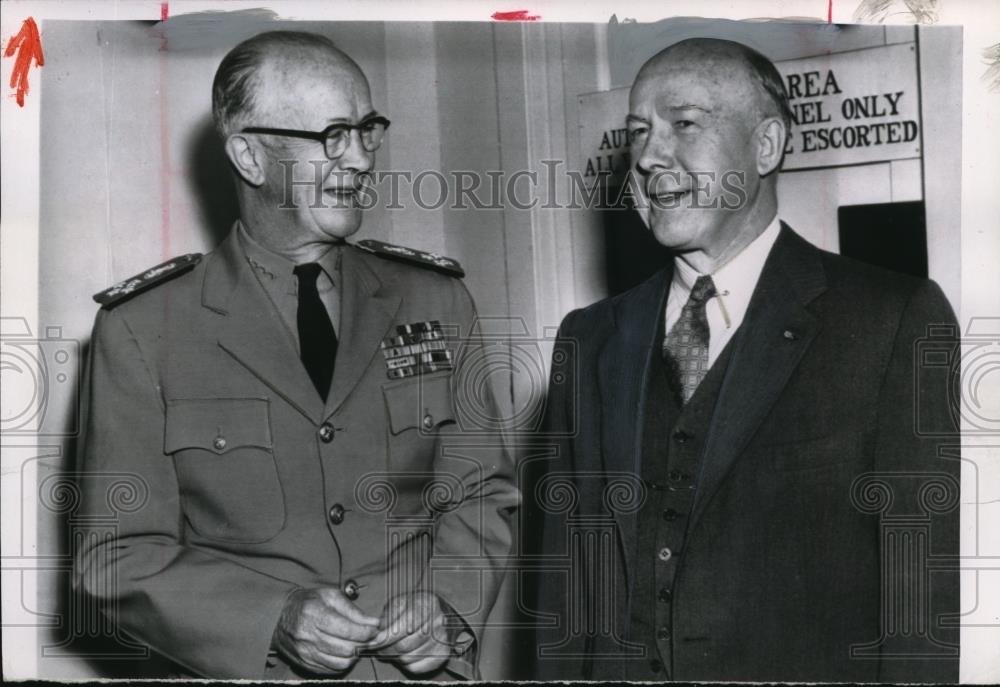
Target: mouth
{"x": 341, "y": 196}
{"x": 669, "y": 199}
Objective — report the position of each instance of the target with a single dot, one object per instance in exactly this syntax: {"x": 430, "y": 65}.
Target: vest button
{"x": 664, "y": 595}
{"x": 337, "y": 513}
{"x": 680, "y": 436}
{"x": 326, "y": 432}
{"x": 670, "y": 515}
{"x": 663, "y": 634}
{"x": 655, "y": 665}
{"x": 352, "y": 590}
{"x": 665, "y": 554}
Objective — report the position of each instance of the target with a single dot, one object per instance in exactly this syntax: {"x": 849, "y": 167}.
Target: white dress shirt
{"x": 734, "y": 283}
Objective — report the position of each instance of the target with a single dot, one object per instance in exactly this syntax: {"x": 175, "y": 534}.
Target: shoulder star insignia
{"x": 413, "y": 256}
{"x": 126, "y": 289}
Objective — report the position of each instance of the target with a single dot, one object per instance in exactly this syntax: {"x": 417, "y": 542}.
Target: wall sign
{"x": 853, "y": 107}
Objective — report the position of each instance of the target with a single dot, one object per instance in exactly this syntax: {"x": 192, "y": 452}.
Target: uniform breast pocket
{"x": 223, "y": 452}
{"x": 417, "y": 409}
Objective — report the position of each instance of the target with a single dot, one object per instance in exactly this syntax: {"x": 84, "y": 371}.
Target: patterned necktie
{"x": 317, "y": 339}
{"x": 685, "y": 347}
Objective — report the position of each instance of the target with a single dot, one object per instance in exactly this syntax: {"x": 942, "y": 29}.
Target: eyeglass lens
{"x": 339, "y": 137}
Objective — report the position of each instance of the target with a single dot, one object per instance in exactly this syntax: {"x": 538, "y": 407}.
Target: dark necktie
{"x": 685, "y": 348}
{"x": 317, "y": 339}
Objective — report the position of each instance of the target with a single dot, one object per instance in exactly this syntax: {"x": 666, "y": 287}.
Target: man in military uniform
{"x": 313, "y": 504}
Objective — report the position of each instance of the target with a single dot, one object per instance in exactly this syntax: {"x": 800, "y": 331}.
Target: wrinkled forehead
{"x": 310, "y": 89}
{"x": 717, "y": 85}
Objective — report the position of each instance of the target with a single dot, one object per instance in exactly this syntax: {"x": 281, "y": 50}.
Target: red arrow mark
{"x": 28, "y": 45}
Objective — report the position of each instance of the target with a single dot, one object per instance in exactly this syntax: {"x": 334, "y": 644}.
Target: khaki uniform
{"x": 249, "y": 486}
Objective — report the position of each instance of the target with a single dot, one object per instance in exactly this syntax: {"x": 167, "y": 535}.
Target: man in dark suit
{"x": 734, "y": 440}
{"x": 306, "y": 499}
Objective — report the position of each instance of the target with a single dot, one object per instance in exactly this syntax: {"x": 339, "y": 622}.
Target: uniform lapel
{"x": 623, "y": 366}
{"x": 368, "y": 308}
{"x": 776, "y": 332}
{"x": 252, "y": 331}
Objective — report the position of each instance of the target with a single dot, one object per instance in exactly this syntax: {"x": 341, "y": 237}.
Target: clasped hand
{"x": 322, "y": 631}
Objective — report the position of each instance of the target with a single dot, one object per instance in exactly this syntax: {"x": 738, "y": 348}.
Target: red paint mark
{"x": 829, "y": 12}
{"x": 164, "y": 11}
{"x": 516, "y": 15}
{"x": 28, "y": 45}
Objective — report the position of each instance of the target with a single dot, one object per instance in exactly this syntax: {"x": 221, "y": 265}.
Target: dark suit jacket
{"x": 813, "y": 457}
{"x": 197, "y": 402}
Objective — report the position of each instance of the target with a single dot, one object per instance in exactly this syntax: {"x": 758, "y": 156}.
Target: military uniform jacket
{"x": 248, "y": 486}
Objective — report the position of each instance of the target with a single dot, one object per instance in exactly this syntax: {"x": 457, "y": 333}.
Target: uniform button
{"x": 670, "y": 515}
{"x": 326, "y": 433}
{"x": 655, "y": 665}
{"x": 664, "y": 595}
{"x": 337, "y": 513}
{"x": 352, "y": 590}
{"x": 428, "y": 421}
{"x": 663, "y": 634}
{"x": 219, "y": 443}
{"x": 665, "y": 554}
{"x": 680, "y": 436}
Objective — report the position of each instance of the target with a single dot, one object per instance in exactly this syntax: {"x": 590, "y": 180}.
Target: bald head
{"x": 757, "y": 79}
{"x": 253, "y": 76}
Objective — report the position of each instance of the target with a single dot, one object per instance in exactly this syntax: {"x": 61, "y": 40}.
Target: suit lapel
{"x": 623, "y": 365}
{"x": 252, "y": 331}
{"x": 775, "y": 334}
{"x": 368, "y": 309}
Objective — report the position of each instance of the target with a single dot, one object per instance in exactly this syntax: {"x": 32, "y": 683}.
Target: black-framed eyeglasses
{"x": 336, "y": 137}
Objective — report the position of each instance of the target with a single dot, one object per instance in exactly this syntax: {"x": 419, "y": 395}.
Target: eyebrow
{"x": 629, "y": 118}
{"x": 678, "y": 108}
{"x": 345, "y": 120}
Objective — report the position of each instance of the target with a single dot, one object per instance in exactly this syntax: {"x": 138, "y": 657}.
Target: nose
{"x": 356, "y": 159}
{"x": 657, "y": 153}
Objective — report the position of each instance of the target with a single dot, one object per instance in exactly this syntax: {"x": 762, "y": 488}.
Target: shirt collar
{"x": 275, "y": 269}
{"x": 736, "y": 280}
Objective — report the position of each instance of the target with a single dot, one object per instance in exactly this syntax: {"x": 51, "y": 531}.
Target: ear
{"x": 247, "y": 159}
{"x": 770, "y": 135}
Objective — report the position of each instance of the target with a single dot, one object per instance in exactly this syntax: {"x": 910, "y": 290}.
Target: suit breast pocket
{"x": 223, "y": 453}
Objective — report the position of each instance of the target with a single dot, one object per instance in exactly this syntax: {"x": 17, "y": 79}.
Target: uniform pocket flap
{"x": 218, "y": 425}
{"x": 424, "y": 402}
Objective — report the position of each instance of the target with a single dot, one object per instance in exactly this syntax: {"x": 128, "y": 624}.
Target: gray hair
{"x": 237, "y": 78}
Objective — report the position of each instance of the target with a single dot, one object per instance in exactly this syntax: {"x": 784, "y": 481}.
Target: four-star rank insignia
{"x": 416, "y": 349}
{"x": 413, "y": 256}
{"x": 125, "y": 289}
